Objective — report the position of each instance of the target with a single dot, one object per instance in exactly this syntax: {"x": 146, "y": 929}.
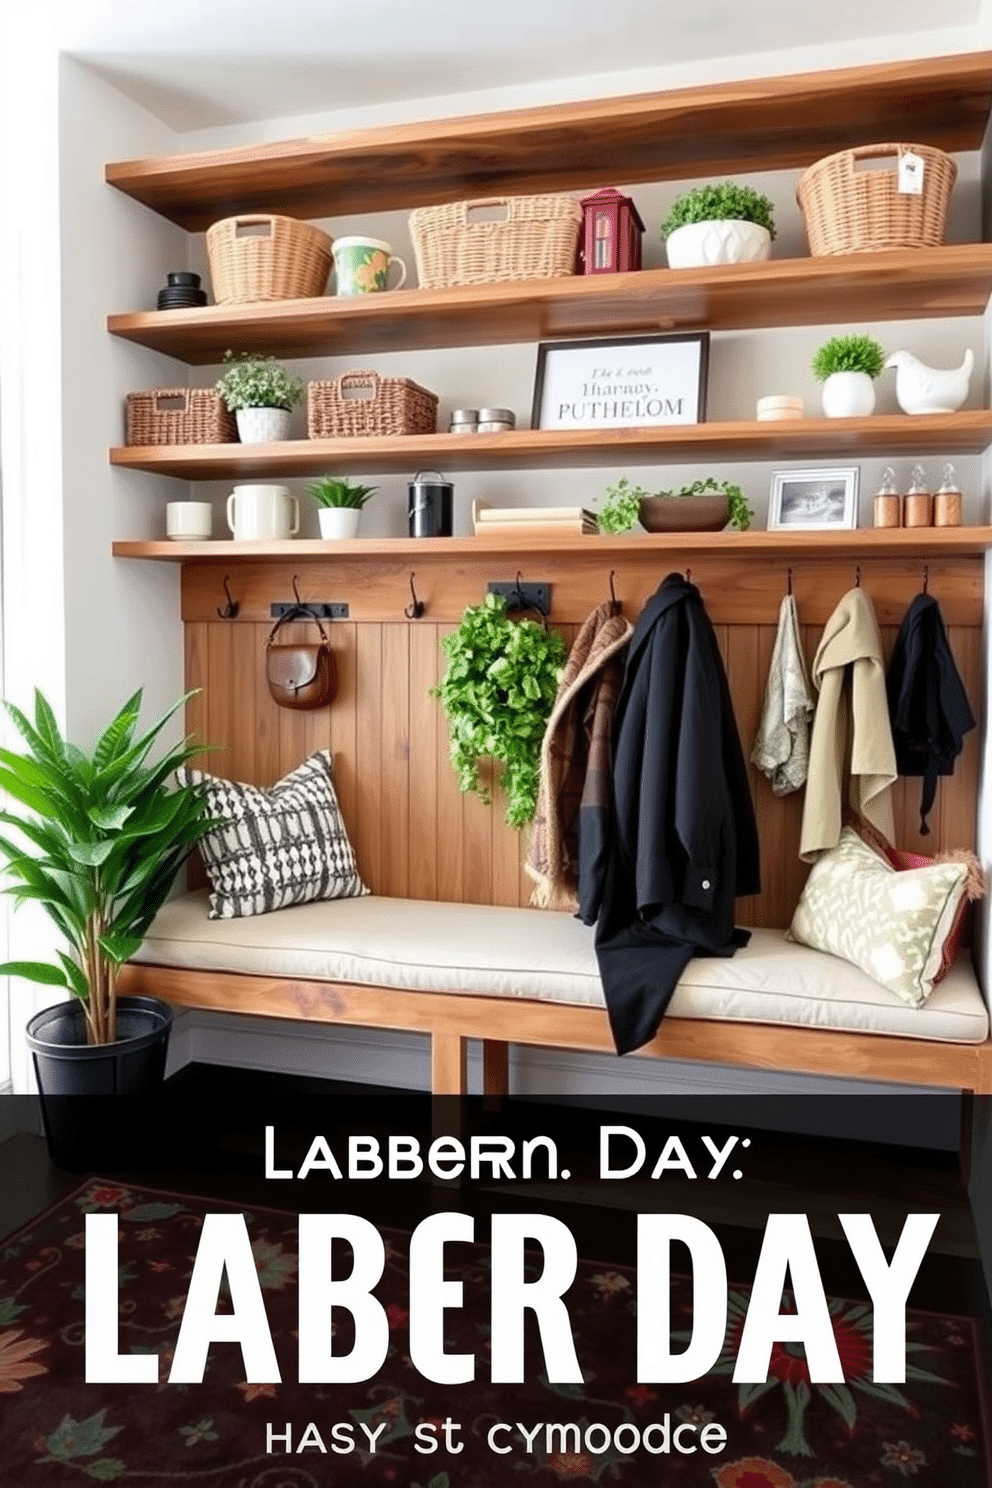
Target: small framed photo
{"x": 635, "y": 383}
{"x": 814, "y": 500}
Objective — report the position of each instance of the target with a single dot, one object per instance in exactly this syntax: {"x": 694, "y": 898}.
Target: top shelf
{"x": 724, "y": 128}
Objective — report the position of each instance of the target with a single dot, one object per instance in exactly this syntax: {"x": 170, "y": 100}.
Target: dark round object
{"x": 183, "y": 276}
{"x": 430, "y": 510}
{"x": 85, "y": 1134}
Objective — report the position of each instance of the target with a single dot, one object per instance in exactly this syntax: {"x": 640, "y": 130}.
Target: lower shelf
{"x": 969, "y": 432}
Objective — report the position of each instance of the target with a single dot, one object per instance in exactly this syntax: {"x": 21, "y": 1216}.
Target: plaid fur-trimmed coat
{"x": 568, "y": 837}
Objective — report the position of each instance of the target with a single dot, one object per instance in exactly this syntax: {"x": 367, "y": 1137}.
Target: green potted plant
{"x": 847, "y": 366}
{"x": 260, "y": 394}
{"x": 705, "y": 505}
{"x": 716, "y": 224}
{"x": 100, "y": 838}
{"x": 339, "y": 504}
{"x": 498, "y": 692}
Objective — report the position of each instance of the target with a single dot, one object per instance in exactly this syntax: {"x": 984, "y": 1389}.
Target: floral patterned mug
{"x": 362, "y": 266}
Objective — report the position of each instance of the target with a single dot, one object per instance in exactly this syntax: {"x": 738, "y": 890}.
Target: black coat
{"x": 928, "y": 706}
{"x": 684, "y": 842}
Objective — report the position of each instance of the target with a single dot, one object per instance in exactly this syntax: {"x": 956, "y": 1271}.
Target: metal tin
{"x": 463, "y": 420}
{"x": 429, "y": 510}
{"x": 497, "y": 416}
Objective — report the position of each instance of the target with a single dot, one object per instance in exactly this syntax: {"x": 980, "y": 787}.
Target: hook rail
{"x": 416, "y": 608}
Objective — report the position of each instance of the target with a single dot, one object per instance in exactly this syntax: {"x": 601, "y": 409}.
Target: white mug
{"x": 262, "y": 513}
{"x": 188, "y": 521}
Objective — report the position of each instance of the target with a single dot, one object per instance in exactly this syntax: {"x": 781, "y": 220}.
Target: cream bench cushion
{"x": 537, "y": 954}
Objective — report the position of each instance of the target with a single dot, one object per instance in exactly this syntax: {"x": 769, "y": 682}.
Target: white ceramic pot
{"x": 339, "y": 521}
{"x": 848, "y": 395}
{"x": 262, "y": 513}
{"x": 728, "y": 241}
{"x": 262, "y": 425}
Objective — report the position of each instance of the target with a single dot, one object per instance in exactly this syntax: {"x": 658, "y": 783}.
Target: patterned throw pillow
{"x": 285, "y": 844}
{"x": 892, "y": 925}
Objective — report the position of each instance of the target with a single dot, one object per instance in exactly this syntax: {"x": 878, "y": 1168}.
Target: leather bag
{"x": 300, "y": 675}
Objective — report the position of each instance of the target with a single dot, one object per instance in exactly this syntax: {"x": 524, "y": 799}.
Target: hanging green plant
{"x": 498, "y": 692}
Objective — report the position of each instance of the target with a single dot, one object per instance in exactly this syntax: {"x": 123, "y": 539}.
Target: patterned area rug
{"x": 55, "y": 1430}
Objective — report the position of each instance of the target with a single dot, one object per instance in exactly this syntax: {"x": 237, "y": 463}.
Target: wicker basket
{"x": 363, "y": 403}
{"x": 536, "y": 239}
{"x": 261, "y": 257}
{"x": 179, "y": 416}
{"x": 862, "y": 211}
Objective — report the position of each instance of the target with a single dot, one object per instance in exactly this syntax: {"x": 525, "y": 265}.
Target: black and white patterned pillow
{"x": 275, "y": 846}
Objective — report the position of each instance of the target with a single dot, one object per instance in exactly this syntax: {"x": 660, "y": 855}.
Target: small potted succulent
{"x": 705, "y": 505}
{"x": 339, "y": 505}
{"x": 847, "y": 366}
{"x": 718, "y": 224}
{"x": 260, "y": 394}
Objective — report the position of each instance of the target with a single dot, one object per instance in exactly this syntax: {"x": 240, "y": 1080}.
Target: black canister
{"x": 431, "y": 504}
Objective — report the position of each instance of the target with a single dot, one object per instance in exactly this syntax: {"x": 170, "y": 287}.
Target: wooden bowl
{"x": 706, "y": 513}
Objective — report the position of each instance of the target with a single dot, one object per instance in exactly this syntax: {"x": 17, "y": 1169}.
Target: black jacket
{"x": 684, "y": 842}
{"x": 928, "y": 706}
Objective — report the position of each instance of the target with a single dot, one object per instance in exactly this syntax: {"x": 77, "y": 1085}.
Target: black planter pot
{"x": 85, "y": 1133}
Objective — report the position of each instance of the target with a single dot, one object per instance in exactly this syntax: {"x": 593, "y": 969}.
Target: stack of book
{"x": 532, "y": 521}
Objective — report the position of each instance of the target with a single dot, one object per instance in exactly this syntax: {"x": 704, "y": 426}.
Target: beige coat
{"x": 851, "y": 732}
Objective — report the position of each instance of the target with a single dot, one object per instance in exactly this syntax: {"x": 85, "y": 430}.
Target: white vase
{"x": 339, "y": 521}
{"x": 262, "y": 425}
{"x": 848, "y": 395}
{"x": 727, "y": 241}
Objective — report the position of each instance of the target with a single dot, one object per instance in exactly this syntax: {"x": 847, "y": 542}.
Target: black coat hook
{"x": 616, "y": 607}
{"x": 857, "y": 577}
{"x": 416, "y": 608}
{"x": 788, "y": 581}
{"x": 232, "y": 607}
{"x": 926, "y": 578}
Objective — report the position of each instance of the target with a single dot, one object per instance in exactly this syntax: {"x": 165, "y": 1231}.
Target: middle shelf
{"x": 908, "y": 284}
{"x": 900, "y": 434}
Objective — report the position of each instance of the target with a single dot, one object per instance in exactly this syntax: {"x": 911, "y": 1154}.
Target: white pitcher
{"x": 262, "y": 513}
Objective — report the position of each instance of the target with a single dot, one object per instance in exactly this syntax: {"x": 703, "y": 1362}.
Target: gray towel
{"x": 781, "y": 749}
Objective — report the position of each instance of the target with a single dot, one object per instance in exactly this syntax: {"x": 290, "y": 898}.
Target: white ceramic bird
{"x": 923, "y": 389}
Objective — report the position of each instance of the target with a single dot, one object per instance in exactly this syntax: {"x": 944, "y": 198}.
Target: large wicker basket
{"x": 179, "y": 416}
{"x": 261, "y": 257}
{"x": 848, "y": 210}
{"x": 535, "y": 239}
{"x": 363, "y": 403}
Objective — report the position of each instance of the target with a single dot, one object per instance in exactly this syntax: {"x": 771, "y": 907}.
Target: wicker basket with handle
{"x": 179, "y": 416}
{"x": 261, "y": 257}
{"x": 852, "y": 210}
{"x": 363, "y": 403}
{"x": 536, "y": 238}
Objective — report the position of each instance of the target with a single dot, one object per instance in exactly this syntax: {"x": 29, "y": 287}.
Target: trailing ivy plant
{"x": 498, "y": 692}
{"x": 621, "y": 510}
{"x": 853, "y": 353}
{"x": 721, "y": 202}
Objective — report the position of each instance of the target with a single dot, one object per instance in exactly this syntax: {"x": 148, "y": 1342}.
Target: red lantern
{"x": 611, "y": 233}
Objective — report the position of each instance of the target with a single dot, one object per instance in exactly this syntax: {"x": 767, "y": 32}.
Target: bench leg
{"x": 495, "y": 1068}
{"x": 449, "y": 1073}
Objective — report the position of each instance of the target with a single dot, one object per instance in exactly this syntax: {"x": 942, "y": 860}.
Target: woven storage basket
{"x": 261, "y": 257}
{"x": 179, "y": 416}
{"x": 862, "y": 211}
{"x": 363, "y": 403}
{"x": 536, "y": 240}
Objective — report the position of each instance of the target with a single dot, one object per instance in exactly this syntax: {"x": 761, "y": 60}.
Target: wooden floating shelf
{"x": 882, "y": 434}
{"x": 723, "y": 128}
{"x": 907, "y": 284}
{"x": 863, "y": 542}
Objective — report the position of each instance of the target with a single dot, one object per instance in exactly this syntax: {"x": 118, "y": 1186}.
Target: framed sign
{"x": 635, "y": 383}
{"x": 814, "y": 500}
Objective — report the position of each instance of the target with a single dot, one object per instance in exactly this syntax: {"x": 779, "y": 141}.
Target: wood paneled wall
{"x": 414, "y": 833}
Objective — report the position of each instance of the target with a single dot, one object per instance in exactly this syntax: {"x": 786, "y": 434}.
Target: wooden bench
{"x": 518, "y": 976}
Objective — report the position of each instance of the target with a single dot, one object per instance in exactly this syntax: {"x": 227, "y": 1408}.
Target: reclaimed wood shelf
{"x": 969, "y": 432}
{"x": 862, "y": 542}
{"x": 902, "y": 284}
{"x": 723, "y": 128}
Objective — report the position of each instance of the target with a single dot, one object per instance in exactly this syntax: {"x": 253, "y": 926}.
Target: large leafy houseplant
{"x": 102, "y": 838}
{"x": 498, "y": 692}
